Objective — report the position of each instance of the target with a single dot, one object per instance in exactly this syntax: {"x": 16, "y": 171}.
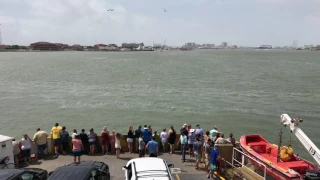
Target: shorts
{"x": 56, "y": 142}
{"x": 198, "y": 157}
{"x": 207, "y": 159}
{"x": 213, "y": 168}
{"x": 26, "y": 153}
{"x": 190, "y": 146}
{"x": 77, "y": 153}
{"x": 129, "y": 140}
{"x": 92, "y": 143}
{"x": 152, "y": 155}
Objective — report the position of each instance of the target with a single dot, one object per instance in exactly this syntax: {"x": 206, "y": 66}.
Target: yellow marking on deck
{"x": 215, "y": 173}
{"x": 178, "y": 178}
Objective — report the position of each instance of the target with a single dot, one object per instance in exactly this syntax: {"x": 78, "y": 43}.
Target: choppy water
{"x": 239, "y": 91}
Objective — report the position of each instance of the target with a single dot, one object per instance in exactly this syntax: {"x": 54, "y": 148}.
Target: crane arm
{"x": 303, "y": 138}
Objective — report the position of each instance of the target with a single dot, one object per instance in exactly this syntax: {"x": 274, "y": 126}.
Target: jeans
{"x": 41, "y": 149}
{"x": 183, "y": 152}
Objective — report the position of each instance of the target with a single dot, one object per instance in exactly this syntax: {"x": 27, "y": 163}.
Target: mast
{"x": 0, "y": 36}
{"x": 279, "y": 145}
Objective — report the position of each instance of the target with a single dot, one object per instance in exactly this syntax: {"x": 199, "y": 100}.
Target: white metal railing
{"x": 235, "y": 150}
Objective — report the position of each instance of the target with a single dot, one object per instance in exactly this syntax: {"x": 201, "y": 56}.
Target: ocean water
{"x": 240, "y": 91}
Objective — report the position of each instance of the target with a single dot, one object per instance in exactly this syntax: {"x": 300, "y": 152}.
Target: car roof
{"x": 71, "y": 173}
{"x": 100, "y": 165}
{"x": 149, "y": 164}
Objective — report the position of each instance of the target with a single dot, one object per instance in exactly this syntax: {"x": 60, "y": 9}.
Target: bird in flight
{"x": 164, "y": 10}
{"x": 110, "y": 9}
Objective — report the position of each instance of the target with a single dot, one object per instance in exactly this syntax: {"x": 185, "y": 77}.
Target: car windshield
{"x": 153, "y": 174}
{"x": 154, "y": 177}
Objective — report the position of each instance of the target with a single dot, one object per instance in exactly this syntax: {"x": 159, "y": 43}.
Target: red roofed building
{"x": 61, "y": 46}
{"x": 44, "y": 46}
{"x": 77, "y": 47}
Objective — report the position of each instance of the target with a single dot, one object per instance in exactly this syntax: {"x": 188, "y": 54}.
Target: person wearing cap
{"x": 213, "y": 161}
{"x": 55, "y": 135}
{"x": 213, "y": 132}
{"x": 40, "y": 138}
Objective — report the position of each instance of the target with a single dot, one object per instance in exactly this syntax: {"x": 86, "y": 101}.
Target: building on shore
{"x": 61, "y": 46}
{"x": 77, "y": 47}
{"x": 44, "y": 46}
{"x": 112, "y": 47}
{"x": 2, "y": 46}
{"x": 132, "y": 46}
{"x": 100, "y": 47}
{"x": 224, "y": 44}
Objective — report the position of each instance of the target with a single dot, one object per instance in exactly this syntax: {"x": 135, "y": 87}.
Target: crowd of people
{"x": 146, "y": 141}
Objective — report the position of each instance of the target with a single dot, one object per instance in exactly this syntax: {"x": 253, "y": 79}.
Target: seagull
{"x": 110, "y": 9}
{"x": 164, "y": 10}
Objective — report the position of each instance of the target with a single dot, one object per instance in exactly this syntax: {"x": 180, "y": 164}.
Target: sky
{"x": 87, "y": 22}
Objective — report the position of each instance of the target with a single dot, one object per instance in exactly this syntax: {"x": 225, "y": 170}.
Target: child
{"x": 117, "y": 144}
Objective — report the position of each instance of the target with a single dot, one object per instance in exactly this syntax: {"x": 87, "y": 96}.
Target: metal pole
{"x": 0, "y": 36}
{"x": 279, "y": 145}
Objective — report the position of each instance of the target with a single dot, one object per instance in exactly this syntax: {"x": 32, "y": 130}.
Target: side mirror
{"x": 124, "y": 168}
{"x": 170, "y": 165}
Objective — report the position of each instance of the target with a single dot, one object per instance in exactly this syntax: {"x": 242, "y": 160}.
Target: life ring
{"x": 286, "y": 153}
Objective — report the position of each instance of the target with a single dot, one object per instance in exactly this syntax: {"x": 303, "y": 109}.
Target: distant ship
{"x": 265, "y": 47}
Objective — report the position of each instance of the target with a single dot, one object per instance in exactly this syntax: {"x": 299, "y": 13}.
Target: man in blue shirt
{"x": 213, "y": 161}
{"x": 152, "y": 146}
{"x": 146, "y": 134}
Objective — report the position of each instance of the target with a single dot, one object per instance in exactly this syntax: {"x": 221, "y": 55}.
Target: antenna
{"x": 0, "y": 36}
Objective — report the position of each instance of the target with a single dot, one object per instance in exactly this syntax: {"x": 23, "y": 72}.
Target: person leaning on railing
{"x": 40, "y": 138}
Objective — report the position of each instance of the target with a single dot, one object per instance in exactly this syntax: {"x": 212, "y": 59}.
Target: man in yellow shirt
{"x": 55, "y": 135}
{"x": 40, "y": 138}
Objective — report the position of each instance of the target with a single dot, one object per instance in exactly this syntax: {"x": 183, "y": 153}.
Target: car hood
{"x": 38, "y": 170}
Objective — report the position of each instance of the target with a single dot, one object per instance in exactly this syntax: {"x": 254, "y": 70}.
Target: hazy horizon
{"x": 87, "y": 22}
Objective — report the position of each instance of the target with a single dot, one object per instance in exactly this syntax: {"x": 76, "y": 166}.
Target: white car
{"x": 149, "y": 168}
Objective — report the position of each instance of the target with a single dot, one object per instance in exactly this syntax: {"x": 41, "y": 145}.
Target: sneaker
{"x": 208, "y": 176}
{"x": 214, "y": 176}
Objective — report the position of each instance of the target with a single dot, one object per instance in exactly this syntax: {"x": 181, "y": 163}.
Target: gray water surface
{"x": 240, "y": 91}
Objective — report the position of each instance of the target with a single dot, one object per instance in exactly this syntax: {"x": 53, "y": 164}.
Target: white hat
{"x": 192, "y": 130}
